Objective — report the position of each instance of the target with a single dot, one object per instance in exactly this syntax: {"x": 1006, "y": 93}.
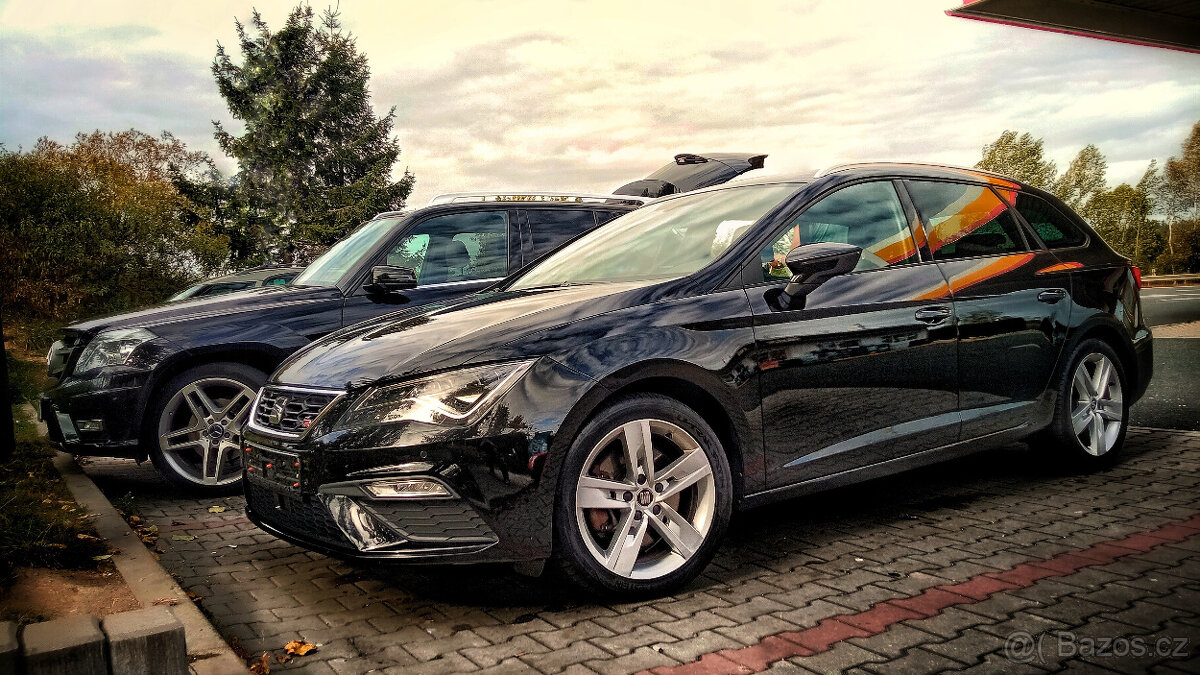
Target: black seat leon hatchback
{"x": 606, "y": 408}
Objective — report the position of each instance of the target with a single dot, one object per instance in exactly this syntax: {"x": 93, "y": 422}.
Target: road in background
{"x": 1173, "y": 399}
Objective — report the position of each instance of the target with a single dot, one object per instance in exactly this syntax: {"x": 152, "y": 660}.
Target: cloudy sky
{"x": 590, "y": 95}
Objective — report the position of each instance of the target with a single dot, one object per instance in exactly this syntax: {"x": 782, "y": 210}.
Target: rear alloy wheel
{"x": 1091, "y": 415}
{"x": 645, "y": 500}
{"x": 1097, "y": 407}
{"x": 198, "y": 436}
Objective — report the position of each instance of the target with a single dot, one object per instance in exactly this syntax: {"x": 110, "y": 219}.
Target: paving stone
{"x": 790, "y": 568}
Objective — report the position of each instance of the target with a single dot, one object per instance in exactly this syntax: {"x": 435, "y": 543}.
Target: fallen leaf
{"x": 166, "y": 602}
{"x": 299, "y": 647}
{"x": 216, "y": 509}
{"x": 183, "y": 537}
{"x": 261, "y": 665}
{"x": 86, "y": 537}
{"x": 98, "y": 558}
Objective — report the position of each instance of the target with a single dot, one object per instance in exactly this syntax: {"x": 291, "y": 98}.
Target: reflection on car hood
{"x": 229, "y": 304}
{"x": 441, "y": 336}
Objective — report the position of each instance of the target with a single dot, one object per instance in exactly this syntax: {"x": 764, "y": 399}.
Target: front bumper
{"x": 497, "y": 469}
{"x": 98, "y": 417}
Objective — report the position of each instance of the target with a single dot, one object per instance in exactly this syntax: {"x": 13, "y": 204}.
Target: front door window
{"x": 455, "y": 247}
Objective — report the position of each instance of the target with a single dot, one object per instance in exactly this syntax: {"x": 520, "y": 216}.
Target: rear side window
{"x": 867, "y": 215}
{"x": 1051, "y": 225}
{"x": 551, "y": 227}
{"x": 963, "y": 221}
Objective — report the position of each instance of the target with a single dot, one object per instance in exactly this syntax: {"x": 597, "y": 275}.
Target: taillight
{"x": 1137, "y": 276}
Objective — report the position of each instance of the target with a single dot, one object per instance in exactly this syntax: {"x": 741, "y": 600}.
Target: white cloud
{"x": 583, "y": 95}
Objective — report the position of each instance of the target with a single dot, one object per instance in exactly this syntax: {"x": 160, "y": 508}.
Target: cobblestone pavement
{"x": 963, "y": 566}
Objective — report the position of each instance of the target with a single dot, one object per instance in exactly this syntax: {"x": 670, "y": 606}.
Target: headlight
{"x": 111, "y": 348}
{"x": 447, "y": 398}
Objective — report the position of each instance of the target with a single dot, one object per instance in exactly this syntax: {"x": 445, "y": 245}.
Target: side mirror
{"x": 812, "y": 265}
{"x": 389, "y": 279}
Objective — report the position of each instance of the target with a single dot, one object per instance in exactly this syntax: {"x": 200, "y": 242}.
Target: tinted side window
{"x": 962, "y": 221}
{"x": 551, "y": 227}
{"x": 868, "y": 215}
{"x": 1051, "y": 226}
{"x": 455, "y": 247}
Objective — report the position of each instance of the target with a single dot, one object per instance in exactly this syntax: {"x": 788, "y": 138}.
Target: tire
{"x": 193, "y": 429}
{"x": 1090, "y": 417}
{"x": 674, "y": 515}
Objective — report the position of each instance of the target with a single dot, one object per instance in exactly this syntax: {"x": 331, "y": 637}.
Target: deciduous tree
{"x": 99, "y": 225}
{"x": 1019, "y": 156}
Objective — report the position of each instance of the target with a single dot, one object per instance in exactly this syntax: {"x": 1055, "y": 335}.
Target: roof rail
{"x": 837, "y": 168}
{"x": 534, "y": 196}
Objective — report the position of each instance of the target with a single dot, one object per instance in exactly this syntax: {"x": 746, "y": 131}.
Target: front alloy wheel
{"x": 197, "y": 439}
{"x": 646, "y": 498}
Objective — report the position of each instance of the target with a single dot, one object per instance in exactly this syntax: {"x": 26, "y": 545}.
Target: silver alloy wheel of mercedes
{"x": 200, "y": 430}
{"x": 646, "y": 499}
{"x": 1097, "y": 408}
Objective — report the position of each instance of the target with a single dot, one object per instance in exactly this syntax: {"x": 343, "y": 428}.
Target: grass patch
{"x": 40, "y": 523}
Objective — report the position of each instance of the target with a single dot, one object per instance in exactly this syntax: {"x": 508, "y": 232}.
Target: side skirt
{"x": 890, "y": 467}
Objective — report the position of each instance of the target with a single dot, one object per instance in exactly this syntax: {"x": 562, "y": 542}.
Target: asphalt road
{"x": 1173, "y": 399}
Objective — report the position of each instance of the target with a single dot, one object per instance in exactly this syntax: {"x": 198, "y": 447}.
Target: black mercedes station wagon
{"x": 607, "y": 408}
{"x": 174, "y": 382}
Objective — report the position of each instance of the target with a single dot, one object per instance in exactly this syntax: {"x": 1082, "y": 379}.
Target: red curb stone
{"x": 930, "y": 602}
{"x": 824, "y": 634}
{"x": 1105, "y": 553}
{"x": 1141, "y": 542}
{"x": 709, "y": 664}
{"x": 1174, "y": 533}
{"x": 1191, "y": 523}
{"x": 878, "y": 618}
{"x": 760, "y": 656}
{"x": 980, "y": 588}
{"x": 1067, "y": 563}
{"x": 1023, "y": 575}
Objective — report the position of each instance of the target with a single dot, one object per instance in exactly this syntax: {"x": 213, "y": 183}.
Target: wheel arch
{"x": 686, "y": 383}
{"x": 1111, "y": 333}
{"x": 260, "y": 357}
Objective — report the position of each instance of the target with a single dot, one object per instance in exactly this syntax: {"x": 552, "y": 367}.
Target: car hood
{"x": 230, "y": 304}
{"x": 441, "y": 336}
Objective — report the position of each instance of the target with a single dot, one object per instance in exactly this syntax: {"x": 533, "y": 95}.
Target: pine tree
{"x": 314, "y": 154}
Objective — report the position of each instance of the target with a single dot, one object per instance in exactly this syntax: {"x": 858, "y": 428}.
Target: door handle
{"x": 935, "y": 314}
{"x": 1052, "y": 295}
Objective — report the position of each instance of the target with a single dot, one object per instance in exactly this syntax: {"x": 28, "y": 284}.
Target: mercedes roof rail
{"x": 534, "y": 196}
{"x": 855, "y": 165}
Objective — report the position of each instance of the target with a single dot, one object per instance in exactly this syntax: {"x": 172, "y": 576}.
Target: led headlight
{"x": 112, "y": 348}
{"x": 446, "y": 398}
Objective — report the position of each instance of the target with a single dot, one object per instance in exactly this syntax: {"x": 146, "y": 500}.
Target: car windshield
{"x": 344, "y": 255}
{"x": 661, "y": 241}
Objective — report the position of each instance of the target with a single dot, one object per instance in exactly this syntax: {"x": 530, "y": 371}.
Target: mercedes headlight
{"x": 446, "y": 398}
{"x": 112, "y": 348}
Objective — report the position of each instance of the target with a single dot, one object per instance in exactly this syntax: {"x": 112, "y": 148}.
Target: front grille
{"x": 295, "y": 516}
{"x": 289, "y": 411}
